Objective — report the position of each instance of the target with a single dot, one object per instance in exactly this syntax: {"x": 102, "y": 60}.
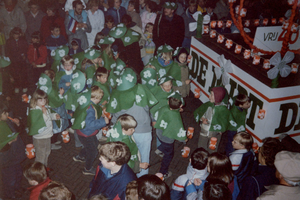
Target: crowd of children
{"x": 101, "y": 87}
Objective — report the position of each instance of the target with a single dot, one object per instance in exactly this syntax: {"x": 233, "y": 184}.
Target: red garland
{"x": 248, "y": 40}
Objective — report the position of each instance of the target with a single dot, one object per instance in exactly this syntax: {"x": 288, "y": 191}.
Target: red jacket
{"x": 36, "y": 190}
{"x": 46, "y": 27}
{"x": 32, "y": 54}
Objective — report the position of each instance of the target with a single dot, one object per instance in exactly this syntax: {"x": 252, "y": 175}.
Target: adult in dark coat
{"x": 168, "y": 27}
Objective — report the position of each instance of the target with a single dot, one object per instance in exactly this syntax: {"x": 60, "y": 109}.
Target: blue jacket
{"x": 111, "y": 187}
{"x": 116, "y": 14}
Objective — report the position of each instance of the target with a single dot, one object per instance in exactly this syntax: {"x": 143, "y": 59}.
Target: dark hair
{"x": 55, "y": 191}
{"x": 112, "y": 2}
{"x": 101, "y": 71}
{"x": 126, "y": 19}
{"x": 136, "y": 5}
{"x": 74, "y": 42}
{"x": 117, "y": 152}
{"x": 3, "y": 108}
{"x": 199, "y": 158}
{"x": 216, "y": 190}
{"x": 53, "y": 8}
{"x": 15, "y": 30}
{"x": 54, "y": 26}
{"x": 152, "y": 6}
{"x": 150, "y": 187}
{"x": 174, "y": 103}
{"x": 109, "y": 18}
{"x": 98, "y": 36}
{"x": 76, "y": 2}
{"x": 269, "y": 149}
{"x": 35, "y": 171}
{"x": 33, "y": 2}
{"x": 210, "y": 4}
{"x": 36, "y": 35}
{"x": 241, "y": 99}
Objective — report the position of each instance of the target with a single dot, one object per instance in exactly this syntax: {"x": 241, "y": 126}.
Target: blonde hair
{"x": 117, "y": 152}
{"x": 87, "y": 61}
{"x": 127, "y": 121}
{"x": 35, "y": 172}
{"x": 245, "y": 139}
{"x": 166, "y": 56}
{"x": 107, "y": 49}
{"x": 38, "y": 94}
{"x": 150, "y": 66}
{"x": 147, "y": 26}
{"x": 55, "y": 191}
{"x": 50, "y": 73}
{"x": 96, "y": 92}
{"x": 98, "y": 197}
{"x": 132, "y": 191}
{"x": 92, "y": 3}
{"x": 67, "y": 59}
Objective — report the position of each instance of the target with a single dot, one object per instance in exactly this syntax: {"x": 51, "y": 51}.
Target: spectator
{"x": 142, "y": 6}
{"x": 49, "y": 20}
{"x": 69, "y": 5}
{"x": 132, "y": 11}
{"x": 109, "y": 24}
{"x": 96, "y": 17}
{"x": 33, "y": 18}
{"x": 83, "y": 25}
{"x": 23, "y": 4}
{"x": 149, "y": 46}
{"x": 201, "y": 6}
{"x": 11, "y": 16}
{"x": 116, "y": 10}
{"x": 188, "y": 18}
{"x": 149, "y": 15}
{"x": 287, "y": 172}
{"x": 55, "y": 39}
{"x": 222, "y": 9}
{"x": 168, "y": 27}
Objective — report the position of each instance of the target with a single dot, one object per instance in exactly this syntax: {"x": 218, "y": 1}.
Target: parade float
{"x": 262, "y": 64}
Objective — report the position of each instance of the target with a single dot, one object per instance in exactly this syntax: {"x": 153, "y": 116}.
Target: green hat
{"x": 107, "y": 40}
{"x": 171, "y": 5}
{"x": 84, "y": 99}
{"x": 45, "y": 83}
{"x": 60, "y": 52}
{"x": 148, "y": 76}
{"x": 118, "y": 31}
{"x": 127, "y": 80}
{"x": 120, "y": 65}
{"x": 164, "y": 79}
{"x": 92, "y": 54}
{"x": 164, "y": 49}
{"x": 4, "y": 61}
{"x": 78, "y": 81}
{"x": 130, "y": 37}
{"x": 176, "y": 95}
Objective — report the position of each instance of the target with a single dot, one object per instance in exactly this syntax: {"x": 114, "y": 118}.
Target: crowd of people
{"x": 112, "y": 72}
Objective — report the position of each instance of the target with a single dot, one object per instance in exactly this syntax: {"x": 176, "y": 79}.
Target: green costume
{"x": 36, "y": 123}
{"x": 170, "y": 122}
{"x": 239, "y": 117}
{"x": 106, "y": 91}
{"x": 57, "y": 55}
{"x": 6, "y": 134}
{"x": 4, "y": 62}
{"x": 115, "y": 134}
{"x": 109, "y": 62}
{"x": 78, "y": 58}
{"x": 148, "y": 76}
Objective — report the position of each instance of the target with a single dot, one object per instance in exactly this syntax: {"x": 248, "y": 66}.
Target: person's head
{"x": 16, "y": 33}
{"x": 210, "y": 6}
{"x": 128, "y": 124}
{"x": 132, "y": 191}
{"x": 149, "y": 27}
{"x": 132, "y": 6}
{"x": 74, "y": 45}
{"x": 150, "y": 187}
{"x": 52, "y": 10}
{"x": 55, "y": 30}
{"x": 169, "y": 12}
{"x": 201, "y": 3}
{"x": 216, "y": 190}
{"x": 151, "y": 7}
{"x": 10, "y": 2}
{"x": 115, "y": 3}
{"x": 166, "y": 56}
{"x": 114, "y": 153}
{"x": 169, "y": 8}
{"x": 219, "y": 167}
{"x": 126, "y": 19}
{"x": 174, "y": 103}
{"x": 93, "y": 5}
{"x": 243, "y": 101}
{"x": 96, "y": 94}
{"x": 199, "y": 158}
{"x": 3, "y": 112}
{"x": 242, "y": 140}
{"x": 217, "y": 95}
{"x": 55, "y": 191}
{"x": 98, "y": 197}
{"x": 50, "y": 73}
{"x": 102, "y": 75}
{"x": 68, "y": 62}
{"x": 287, "y": 168}
{"x": 35, "y": 173}
{"x": 36, "y": 37}
{"x": 167, "y": 86}
{"x": 192, "y": 6}
{"x": 77, "y": 7}
{"x": 142, "y": 2}
{"x": 39, "y": 98}
{"x": 268, "y": 151}
{"x": 98, "y": 37}
{"x": 33, "y": 6}
{"x": 182, "y": 55}
{"x": 109, "y": 22}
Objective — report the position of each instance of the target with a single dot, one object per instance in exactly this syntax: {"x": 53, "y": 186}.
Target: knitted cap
{"x": 219, "y": 93}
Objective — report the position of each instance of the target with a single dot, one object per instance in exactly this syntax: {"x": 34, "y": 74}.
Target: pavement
{"x": 68, "y": 172}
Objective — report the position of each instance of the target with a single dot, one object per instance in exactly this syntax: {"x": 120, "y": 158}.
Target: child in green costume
{"x": 123, "y": 131}
{"x": 169, "y": 127}
{"x": 40, "y": 125}
{"x": 101, "y": 81}
{"x": 215, "y": 118}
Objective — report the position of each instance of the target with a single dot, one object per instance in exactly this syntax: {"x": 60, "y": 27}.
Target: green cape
{"x": 161, "y": 96}
{"x": 35, "y": 122}
{"x": 108, "y": 61}
{"x": 239, "y": 117}
{"x": 106, "y": 91}
{"x": 6, "y": 134}
{"x": 161, "y": 71}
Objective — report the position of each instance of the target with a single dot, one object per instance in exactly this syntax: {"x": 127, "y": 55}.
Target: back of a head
{"x": 35, "y": 171}
{"x": 174, "y": 103}
{"x": 126, "y": 19}
{"x": 55, "y": 191}
{"x": 216, "y": 190}
{"x": 245, "y": 139}
{"x": 150, "y": 187}
{"x": 76, "y": 2}
{"x": 269, "y": 149}
{"x": 117, "y": 152}
{"x": 199, "y": 158}
{"x": 127, "y": 121}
